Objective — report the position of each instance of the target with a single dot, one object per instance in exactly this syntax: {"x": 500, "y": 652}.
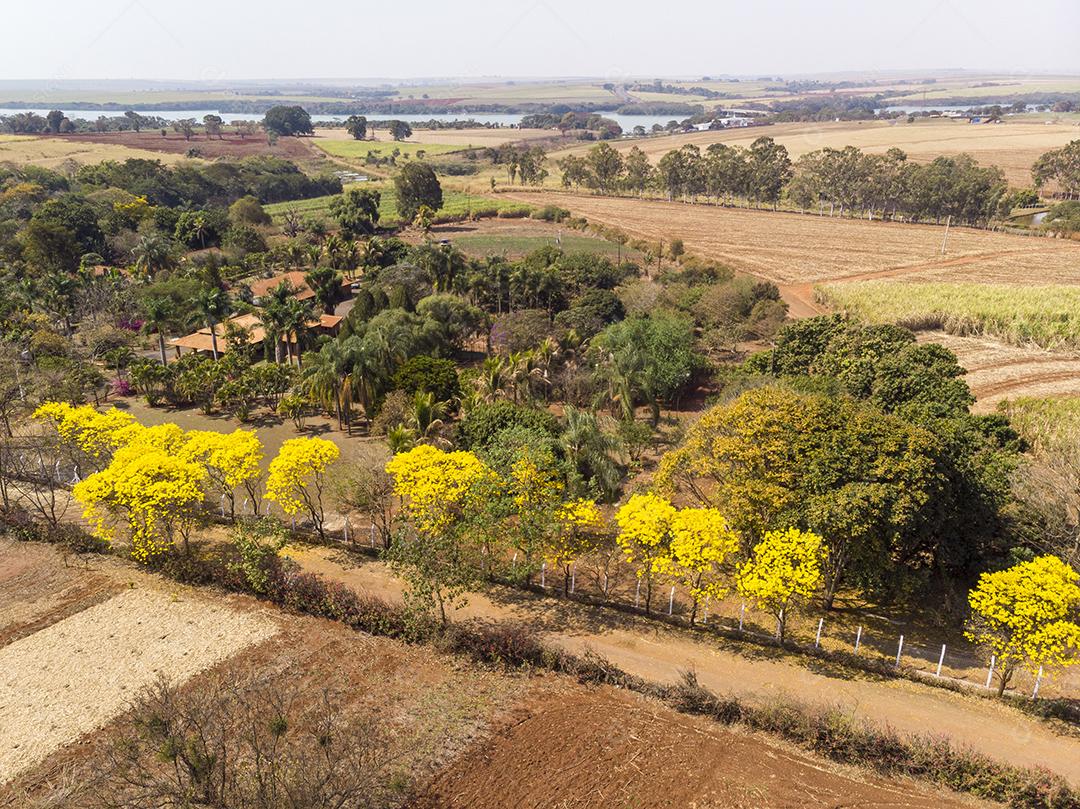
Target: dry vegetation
{"x": 75, "y": 675}
{"x": 53, "y": 152}
{"x": 790, "y": 248}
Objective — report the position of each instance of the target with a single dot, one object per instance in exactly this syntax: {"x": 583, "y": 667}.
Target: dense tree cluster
{"x": 863, "y": 436}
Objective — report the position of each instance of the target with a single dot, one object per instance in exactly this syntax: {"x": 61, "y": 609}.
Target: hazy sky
{"x": 230, "y": 39}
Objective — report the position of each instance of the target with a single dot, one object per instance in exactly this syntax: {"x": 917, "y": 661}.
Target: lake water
{"x": 627, "y": 122}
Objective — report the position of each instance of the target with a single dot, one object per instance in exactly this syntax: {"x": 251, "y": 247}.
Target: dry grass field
{"x": 52, "y": 152}
{"x": 793, "y": 249}
{"x": 75, "y": 675}
{"x": 1013, "y": 146}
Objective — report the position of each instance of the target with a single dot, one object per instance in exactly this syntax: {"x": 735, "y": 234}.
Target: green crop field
{"x": 510, "y": 245}
{"x": 360, "y": 149}
{"x": 455, "y": 203}
{"x": 1046, "y": 316}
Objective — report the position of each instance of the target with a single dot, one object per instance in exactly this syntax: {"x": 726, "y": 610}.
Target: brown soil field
{"x": 605, "y": 748}
{"x": 229, "y": 145}
{"x": 660, "y": 653}
{"x": 791, "y": 248}
{"x": 1013, "y": 146}
{"x": 466, "y": 736}
{"x": 38, "y": 589}
{"x": 479, "y": 137}
{"x": 997, "y": 371}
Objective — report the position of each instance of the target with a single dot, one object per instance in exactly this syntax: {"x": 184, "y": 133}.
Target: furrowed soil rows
{"x": 791, "y": 248}
{"x": 606, "y": 748}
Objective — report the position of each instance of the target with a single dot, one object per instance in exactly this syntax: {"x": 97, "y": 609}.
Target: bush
{"x": 394, "y": 410}
{"x": 484, "y": 421}
{"x": 551, "y": 213}
{"x": 429, "y": 375}
{"x": 502, "y": 644}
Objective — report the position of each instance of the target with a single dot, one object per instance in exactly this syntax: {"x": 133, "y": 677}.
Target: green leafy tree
{"x": 399, "y": 130}
{"x": 416, "y": 185}
{"x": 287, "y": 120}
{"x": 356, "y": 211}
{"x": 356, "y": 125}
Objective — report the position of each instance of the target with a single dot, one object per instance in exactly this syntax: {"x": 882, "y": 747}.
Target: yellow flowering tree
{"x": 645, "y": 535}
{"x": 96, "y": 436}
{"x": 231, "y": 460}
{"x": 579, "y": 528}
{"x": 297, "y": 475}
{"x": 1027, "y": 616}
{"x": 536, "y": 491}
{"x": 442, "y": 493}
{"x": 155, "y": 494}
{"x": 783, "y": 573}
{"x": 700, "y": 546}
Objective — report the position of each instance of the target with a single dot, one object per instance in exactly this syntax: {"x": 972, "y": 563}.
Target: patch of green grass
{"x": 1046, "y": 316}
{"x": 360, "y": 149}
{"x": 455, "y": 203}
{"x": 494, "y": 244}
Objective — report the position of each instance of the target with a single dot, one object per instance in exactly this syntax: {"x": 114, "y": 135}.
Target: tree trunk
{"x": 161, "y": 346}
{"x": 213, "y": 339}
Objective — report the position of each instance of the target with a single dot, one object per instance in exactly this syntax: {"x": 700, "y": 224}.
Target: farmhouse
{"x": 202, "y": 341}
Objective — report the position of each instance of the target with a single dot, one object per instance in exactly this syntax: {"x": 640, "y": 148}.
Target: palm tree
{"x": 157, "y": 312}
{"x": 58, "y": 295}
{"x": 214, "y": 305}
{"x": 325, "y": 283}
{"x": 427, "y": 415}
{"x": 152, "y": 252}
{"x": 298, "y": 314}
{"x": 274, "y": 315}
{"x": 492, "y": 380}
{"x": 590, "y": 449}
{"x": 321, "y": 380}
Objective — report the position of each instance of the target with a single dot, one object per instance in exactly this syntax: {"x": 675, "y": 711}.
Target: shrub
{"x": 429, "y": 375}
{"x": 551, "y": 213}
{"x": 478, "y": 428}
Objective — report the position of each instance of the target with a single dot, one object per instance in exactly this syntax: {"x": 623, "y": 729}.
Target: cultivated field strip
{"x": 76, "y": 675}
{"x": 998, "y": 371}
{"x": 791, "y": 248}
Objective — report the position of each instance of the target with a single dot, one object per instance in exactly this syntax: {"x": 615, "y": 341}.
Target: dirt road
{"x": 660, "y": 653}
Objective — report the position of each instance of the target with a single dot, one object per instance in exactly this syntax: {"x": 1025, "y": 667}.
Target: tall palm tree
{"x": 214, "y": 305}
{"x": 274, "y": 315}
{"x": 325, "y": 283}
{"x": 156, "y": 314}
{"x": 298, "y": 314}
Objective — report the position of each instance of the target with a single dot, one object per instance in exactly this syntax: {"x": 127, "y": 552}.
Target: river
{"x": 627, "y": 122}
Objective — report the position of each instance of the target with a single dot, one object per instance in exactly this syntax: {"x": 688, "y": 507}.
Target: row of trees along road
{"x": 840, "y": 180}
